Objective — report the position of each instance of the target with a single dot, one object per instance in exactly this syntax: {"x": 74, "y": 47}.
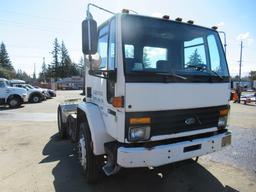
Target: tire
{"x": 36, "y": 98}
{"x": 72, "y": 130}
{"x": 62, "y": 127}
{"x": 89, "y": 162}
{"x": 14, "y": 102}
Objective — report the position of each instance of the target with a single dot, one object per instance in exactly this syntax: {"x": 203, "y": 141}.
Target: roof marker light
{"x": 214, "y": 27}
{"x": 167, "y": 17}
{"x": 178, "y": 19}
{"x": 190, "y": 22}
{"x": 125, "y": 11}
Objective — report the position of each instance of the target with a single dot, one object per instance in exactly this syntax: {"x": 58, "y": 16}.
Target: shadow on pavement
{"x": 7, "y": 108}
{"x": 183, "y": 176}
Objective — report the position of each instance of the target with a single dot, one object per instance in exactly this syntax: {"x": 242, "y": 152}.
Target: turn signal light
{"x": 224, "y": 112}
{"x": 118, "y": 101}
{"x": 140, "y": 120}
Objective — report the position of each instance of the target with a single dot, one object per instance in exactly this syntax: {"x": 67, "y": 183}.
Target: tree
{"x": 23, "y": 76}
{"x": 195, "y": 59}
{"x": 252, "y": 75}
{"x": 5, "y": 61}
{"x": 235, "y": 78}
{"x": 66, "y": 63}
{"x": 5, "y": 73}
{"x": 44, "y": 73}
{"x": 55, "y": 63}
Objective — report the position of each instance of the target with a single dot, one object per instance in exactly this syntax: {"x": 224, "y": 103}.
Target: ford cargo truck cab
{"x": 12, "y": 96}
{"x": 157, "y": 92}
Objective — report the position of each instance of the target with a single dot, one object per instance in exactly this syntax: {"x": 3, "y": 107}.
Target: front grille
{"x": 176, "y": 121}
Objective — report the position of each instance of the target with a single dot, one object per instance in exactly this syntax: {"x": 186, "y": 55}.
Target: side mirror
{"x": 89, "y": 36}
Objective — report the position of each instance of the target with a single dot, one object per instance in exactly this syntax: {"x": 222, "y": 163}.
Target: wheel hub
{"x": 35, "y": 99}
{"x": 13, "y": 102}
{"x": 82, "y": 151}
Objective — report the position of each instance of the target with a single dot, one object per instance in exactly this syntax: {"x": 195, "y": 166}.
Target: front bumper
{"x": 24, "y": 98}
{"x": 164, "y": 154}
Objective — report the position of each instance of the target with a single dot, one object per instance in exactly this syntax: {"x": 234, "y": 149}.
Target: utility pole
{"x": 43, "y": 72}
{"x": 240, "y": 62}
{"x": 240, "y": 66}
{"x": 34, "y": 75}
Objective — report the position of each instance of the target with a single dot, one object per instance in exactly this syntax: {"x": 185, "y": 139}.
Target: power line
{"x": 36, "y": 16}
{"x": 31, "y": 27}
{"x": 26, "y": 56}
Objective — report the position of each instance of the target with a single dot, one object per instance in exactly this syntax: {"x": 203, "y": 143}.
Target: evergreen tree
{"x": 43, "y": 73}
{"x": 252, "y": 75}
{"x": 81, "y": 66}
{"x": 66, "y": 63}
{"x": 55, "y": 63}
{"x": 23, "y": 76}
{"x": 5, "y": 61}
{"x": 7, "y": 74}
{"x": 195, "y": 59}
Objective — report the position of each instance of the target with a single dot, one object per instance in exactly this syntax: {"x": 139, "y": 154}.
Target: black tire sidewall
{"x": 32, "y": 98}
{"x": 92, "y": 167}
{"x": 61, "y": 125}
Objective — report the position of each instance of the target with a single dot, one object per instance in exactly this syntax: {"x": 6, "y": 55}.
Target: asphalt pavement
{"x": 34, "y": 158}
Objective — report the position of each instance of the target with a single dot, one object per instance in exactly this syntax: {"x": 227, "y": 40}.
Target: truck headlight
{"x": 222, "y": 122}
{"x": 223, "y": 118}
{"x": 24, "y": 95}
{"x": 139, "y": 133}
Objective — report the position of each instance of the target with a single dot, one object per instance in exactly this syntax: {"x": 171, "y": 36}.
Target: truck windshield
{"x": 162, "y": 50}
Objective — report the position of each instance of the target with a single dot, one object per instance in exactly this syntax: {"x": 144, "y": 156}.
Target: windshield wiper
{"x": 200, "y": 67}
{"x": 172, "y": 75}
{"x": 160, "y": 73}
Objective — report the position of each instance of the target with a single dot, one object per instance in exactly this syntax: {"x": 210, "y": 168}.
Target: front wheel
{"x": 89, "y": 162}
{"x": 14, "y": 102}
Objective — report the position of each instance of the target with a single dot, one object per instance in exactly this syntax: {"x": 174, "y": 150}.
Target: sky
{"x": 28, "y": 27}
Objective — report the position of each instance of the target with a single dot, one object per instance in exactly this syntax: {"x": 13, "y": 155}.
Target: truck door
{"x": 103, "y": 89}
{"x": 111, "y": 118}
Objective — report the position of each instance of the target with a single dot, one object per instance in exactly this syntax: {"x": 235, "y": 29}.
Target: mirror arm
{"x": 111, "y": 75}
{"x": 90, "y": 60}
{"x": 101, "y": 8}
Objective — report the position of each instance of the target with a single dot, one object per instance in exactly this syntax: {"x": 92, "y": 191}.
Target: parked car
{"x": 12, "y": 96}
{"x": 51, "y": 92}
{"x": 34, "y": 95}
{"x": 44, "y": 91}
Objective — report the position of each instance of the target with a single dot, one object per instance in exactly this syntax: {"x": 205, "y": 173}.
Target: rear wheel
{"x": 89, "y": 162}
{"x": 61, "y": 126}
{"x": 14, "y": 102}
{"x": 36, "y": 98}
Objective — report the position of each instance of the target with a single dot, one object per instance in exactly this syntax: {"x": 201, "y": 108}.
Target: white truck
{"x": 12, "y": 96}
{"x": 157, "y": 92}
